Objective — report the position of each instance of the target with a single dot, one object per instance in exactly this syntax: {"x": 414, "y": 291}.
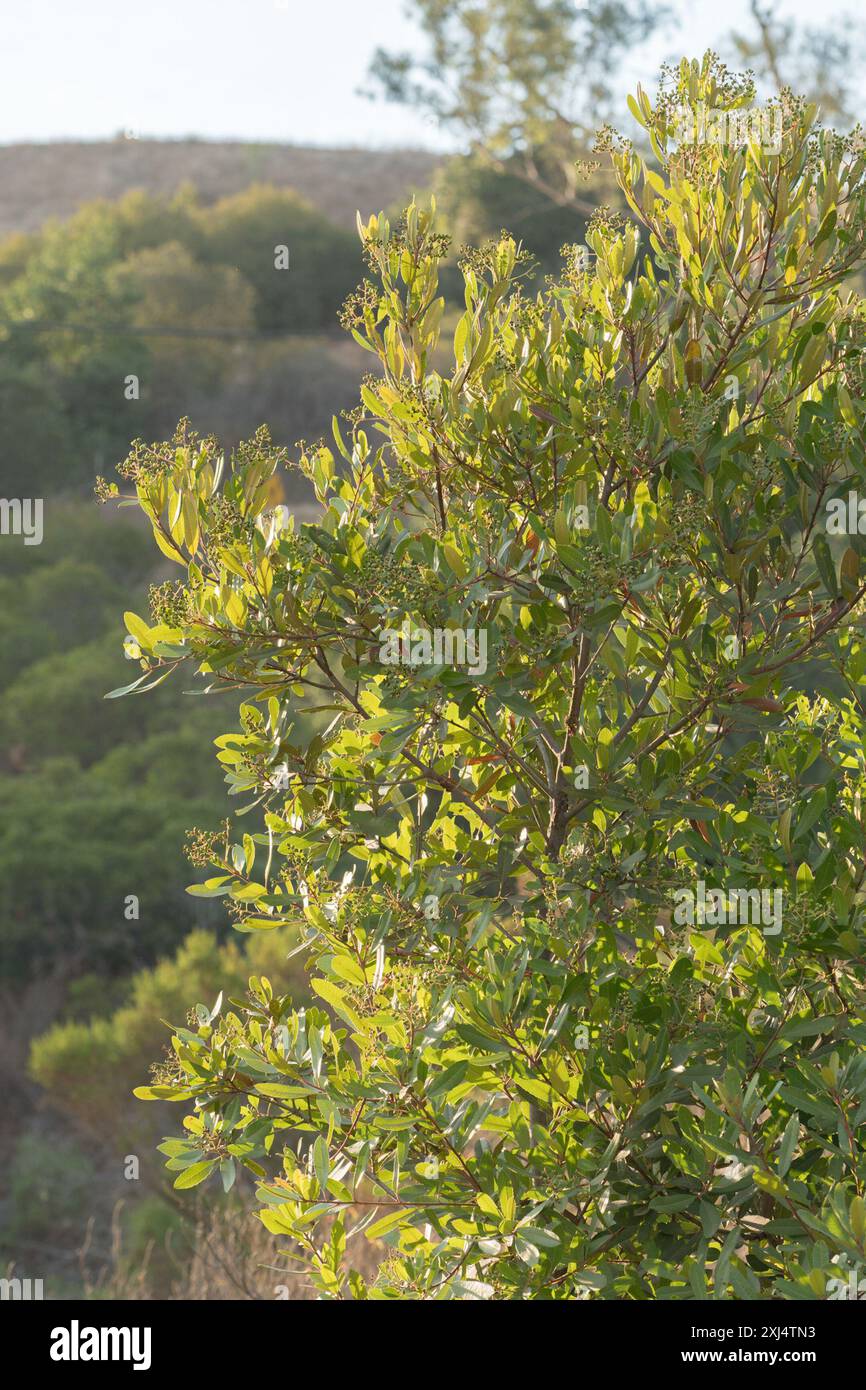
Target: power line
{"x": 124, "y": 330}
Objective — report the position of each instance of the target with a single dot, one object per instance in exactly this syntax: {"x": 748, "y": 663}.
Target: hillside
{"x": 51, "y": 180}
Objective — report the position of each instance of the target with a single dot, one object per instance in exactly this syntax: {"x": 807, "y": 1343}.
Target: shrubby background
{"x": 96, "y": 796}
{"x": 157, "y": 259}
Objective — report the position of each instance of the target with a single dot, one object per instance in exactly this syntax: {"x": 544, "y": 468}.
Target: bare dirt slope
{"x": 51, "y": 180}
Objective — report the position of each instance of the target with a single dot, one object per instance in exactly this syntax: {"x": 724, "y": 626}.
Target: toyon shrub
{"x": 585, "y": 922}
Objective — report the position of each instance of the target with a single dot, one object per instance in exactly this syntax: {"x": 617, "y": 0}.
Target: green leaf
{"x": 195, "y": 1174}
{"x": 321, "y": 1162}
{"x": 826, "y": 568}
{"x": 388, "y": 1223}
{"x": 788, "y": 1144}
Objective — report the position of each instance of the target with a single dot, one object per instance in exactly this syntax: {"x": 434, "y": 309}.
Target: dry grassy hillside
{"x": 51, "y": 180}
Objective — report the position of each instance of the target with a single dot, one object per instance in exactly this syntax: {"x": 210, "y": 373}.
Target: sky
{"x": 282, "y": 70}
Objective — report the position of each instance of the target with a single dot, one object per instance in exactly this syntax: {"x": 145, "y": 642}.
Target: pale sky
{"x": 284, "y": 70}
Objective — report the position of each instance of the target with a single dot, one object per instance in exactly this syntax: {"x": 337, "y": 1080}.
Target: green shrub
{"x": 245, "y": 230}
{"x": 544, "y": 1079}
{"x": 205, "y": 306}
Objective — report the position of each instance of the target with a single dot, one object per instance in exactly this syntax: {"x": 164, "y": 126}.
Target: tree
{"x": 203, "y": 304}
{"x": 73, "y": 768}
{"x": 114, "y": 322}
{"x": 298, "y": 289}
{"x": 826, "y": 61}
{"x": 577, "y": 854}
{"x": 523, "y": 83}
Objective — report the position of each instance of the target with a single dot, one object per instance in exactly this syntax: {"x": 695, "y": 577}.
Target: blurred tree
{"x": 74, "y": 767}
{"x": 15, "y": 252}
{"x": 191, "y": 313}
{"x": 51, "y": 610}
{"x": 55, "y": 707}
{"x": 82, "y": 532}
{"x": 524, "y": 84}
{"x": 65, "y": 348}
{"x": 246, "y": 231}
{"x": 37, "y": 441}
{"x": 66, "y": 873}
{"x": 64, "y": 286}
{"x": 173, "y": 294}
{"x": 825, "y": 61}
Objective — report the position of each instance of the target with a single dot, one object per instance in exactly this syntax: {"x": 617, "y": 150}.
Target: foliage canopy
{"x": 527, "y": 1076}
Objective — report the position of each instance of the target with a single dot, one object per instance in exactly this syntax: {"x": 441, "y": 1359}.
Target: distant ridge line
{"x": 43, "y": 180}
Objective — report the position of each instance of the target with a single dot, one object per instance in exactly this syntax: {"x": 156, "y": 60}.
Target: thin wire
{"x": 47, "y": 326}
